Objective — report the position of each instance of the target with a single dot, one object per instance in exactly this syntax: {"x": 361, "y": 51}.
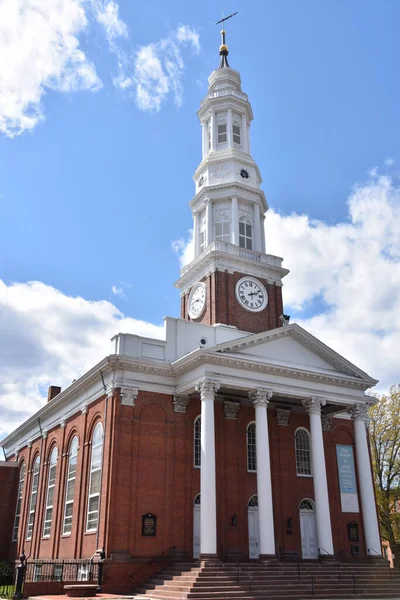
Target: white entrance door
{"x": 308, "y": 529}
{"x": 196, "y": 527}
{"x": 254, "y": 532}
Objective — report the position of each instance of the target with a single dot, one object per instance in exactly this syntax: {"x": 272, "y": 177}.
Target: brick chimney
{"x": 54, "y": 390}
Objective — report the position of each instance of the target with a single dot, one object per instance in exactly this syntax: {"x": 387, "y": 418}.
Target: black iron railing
{"x": 239, "y": 572}
{"x": 61, "y": 570}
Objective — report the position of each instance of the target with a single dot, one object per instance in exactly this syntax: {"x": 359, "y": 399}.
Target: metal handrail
{"x": 250, "y": 577}
{"x": 154, "y": 558}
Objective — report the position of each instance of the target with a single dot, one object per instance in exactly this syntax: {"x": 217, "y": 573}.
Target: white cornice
{"x": 234, "y": 188}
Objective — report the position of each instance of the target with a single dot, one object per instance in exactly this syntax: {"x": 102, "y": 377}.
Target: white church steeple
{"x": 229, "y": 205}
{"x": 231, "y": 281}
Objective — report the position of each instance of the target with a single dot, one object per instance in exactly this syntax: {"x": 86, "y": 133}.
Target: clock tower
{"x": 231, "y": 281}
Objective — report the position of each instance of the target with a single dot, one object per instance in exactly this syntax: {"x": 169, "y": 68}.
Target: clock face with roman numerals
{"x": 251, "y": 294}
{"x": 197, "y": 300}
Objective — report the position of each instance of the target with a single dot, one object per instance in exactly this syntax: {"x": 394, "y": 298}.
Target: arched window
{"x": 22, "y": 472}
{"x": 245, "y": 233}
{"x": 95, "y": 479}
{"x": 307, "y": 505}
{"x": 251, "y": 447}
{"x": 70, "y": 487}
{"x": 197, "y": 442}
{"x": 303, "y": 459}
{"x": 253, "y": 501}
{"x": 33, "y": 499}
{"x": 51, "y": 482}
{"x": 223, "y": 228}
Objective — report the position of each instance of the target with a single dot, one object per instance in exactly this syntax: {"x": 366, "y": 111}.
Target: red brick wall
{"x": 9, "y": 475}
{"x": 223, "y": 307}
{"x": 148, "y": 467}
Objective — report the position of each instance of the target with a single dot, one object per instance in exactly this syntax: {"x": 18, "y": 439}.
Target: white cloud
{"x": 389, "y": 162}
{"x": 185, "y": 250}
{"x": 107, "y": 14}
{"x": 344, "y": 281}
{"x": 48, "y": 338}
{"x": 39, "y": 48}
{"x": 158, "y": 69}
{"x": 118, "y": 291}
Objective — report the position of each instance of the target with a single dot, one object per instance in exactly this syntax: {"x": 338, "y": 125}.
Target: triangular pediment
{"x": 293, "y": 347}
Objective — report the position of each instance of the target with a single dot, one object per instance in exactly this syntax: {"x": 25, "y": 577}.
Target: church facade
{"x": 239, "y": 435}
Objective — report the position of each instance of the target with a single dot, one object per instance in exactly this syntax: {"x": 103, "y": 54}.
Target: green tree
{"x": 384, "y": 433}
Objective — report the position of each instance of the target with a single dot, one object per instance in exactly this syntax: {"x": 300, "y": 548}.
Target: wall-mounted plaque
{"x": 149, "y": 522}
{"x": 352, "y": 529}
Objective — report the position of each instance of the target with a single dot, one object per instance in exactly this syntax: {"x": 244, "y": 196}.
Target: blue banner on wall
{"x": 347, "y": 479}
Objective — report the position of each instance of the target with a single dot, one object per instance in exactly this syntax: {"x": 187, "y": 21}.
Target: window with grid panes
{"x": 245, "y": 234}
{"x": 51, "y": 482}
{"x": 22, "y": 472}
{"x": 33, "y": 499}
{"x": 203, "y": 236}
{"x": 197, "y": 442}
{"x": 303, "y": 453}
{"x": 95, "y": 479}
{"x": 70, "y": 487}
{"x": 222, "y": 133}
{"x": 223, "y": 230}
{"x": 236, "y": 134}
{"x": 251, "y": 447}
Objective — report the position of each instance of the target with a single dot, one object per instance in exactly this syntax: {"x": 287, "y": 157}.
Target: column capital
{"x": 359, "y": 412}
{"x": 313, "y": 405}
{"x": 260, "y": 397}
{"x": 128, "y": 395}
{"x": 207, "y": 389}
{"x": 180, "y": 403}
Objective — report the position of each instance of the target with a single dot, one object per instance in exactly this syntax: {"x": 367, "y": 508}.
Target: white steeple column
{"x": 248, "y": 138}
{"x": 324, "y": 529}
{"x": 371, "y": 529}
{"x": 257, "y": 228}
{"x": 212, "y": 129}
{"x": 243, "y": 133}
{"x": 260, "y": 400}
{"x": 208, "y": 500}
{"x": 209, "y": 228}
{"x": 203, "y": 139}
{"x": 263, "y": 245}
{"x": 235, "y": 221}
{"x": 196, "y": 234}
{"x": 229, "y": 127}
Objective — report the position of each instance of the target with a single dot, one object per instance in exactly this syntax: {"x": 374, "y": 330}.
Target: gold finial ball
{"x": 223, "y": 48}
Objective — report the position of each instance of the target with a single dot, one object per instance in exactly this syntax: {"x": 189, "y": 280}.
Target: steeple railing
{"x": 219, "y": 93}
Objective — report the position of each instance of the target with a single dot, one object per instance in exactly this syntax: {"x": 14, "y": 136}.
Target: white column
{"x": 257, "y": 227}
{"x": 196, "y": 235}
{"x": 264, "y": 485}
{"x": 263, "y": 244}
{"x": 243, "y": 133}
{"x": 229, "y": 127}
{"x": 235, "y": 221}
{"x": 371, "y": 529}
{"x": 212, "y": 132}
{"x": 203, "y": 140}
{"x": 209, "y": 227}
{"x": 248, "y": 138}
{"x": 323, "y": 516}
{"x": 208, "y": 500}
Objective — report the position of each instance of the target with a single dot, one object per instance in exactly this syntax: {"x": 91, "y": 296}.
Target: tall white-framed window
{"x": 209, "y": 134}
{"x": 251, "y": 447}
{"x": 303, "y": 452}
{"x": 223, "y": 228}
{"x": 95, "y": 479}
{"x": 197, "y": 442}
{"x": 33, "y": 498}
{"x": 236, "y": 131}
{"x": 245, "y": 233}
{"x": 203, "y": 234}
{"x": 51, "y": 482}
{"x": 70, "y": 486}
{"x": 222, "y": 133}
{"x": 22, "y": 472}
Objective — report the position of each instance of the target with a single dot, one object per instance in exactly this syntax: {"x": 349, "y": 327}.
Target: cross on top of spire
{"x": 223, "y": 49}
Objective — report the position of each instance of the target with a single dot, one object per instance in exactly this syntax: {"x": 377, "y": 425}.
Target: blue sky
{"x": 94, "y": 193}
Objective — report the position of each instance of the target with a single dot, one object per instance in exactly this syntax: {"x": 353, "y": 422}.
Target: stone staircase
{"x": 273, "y": 580}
